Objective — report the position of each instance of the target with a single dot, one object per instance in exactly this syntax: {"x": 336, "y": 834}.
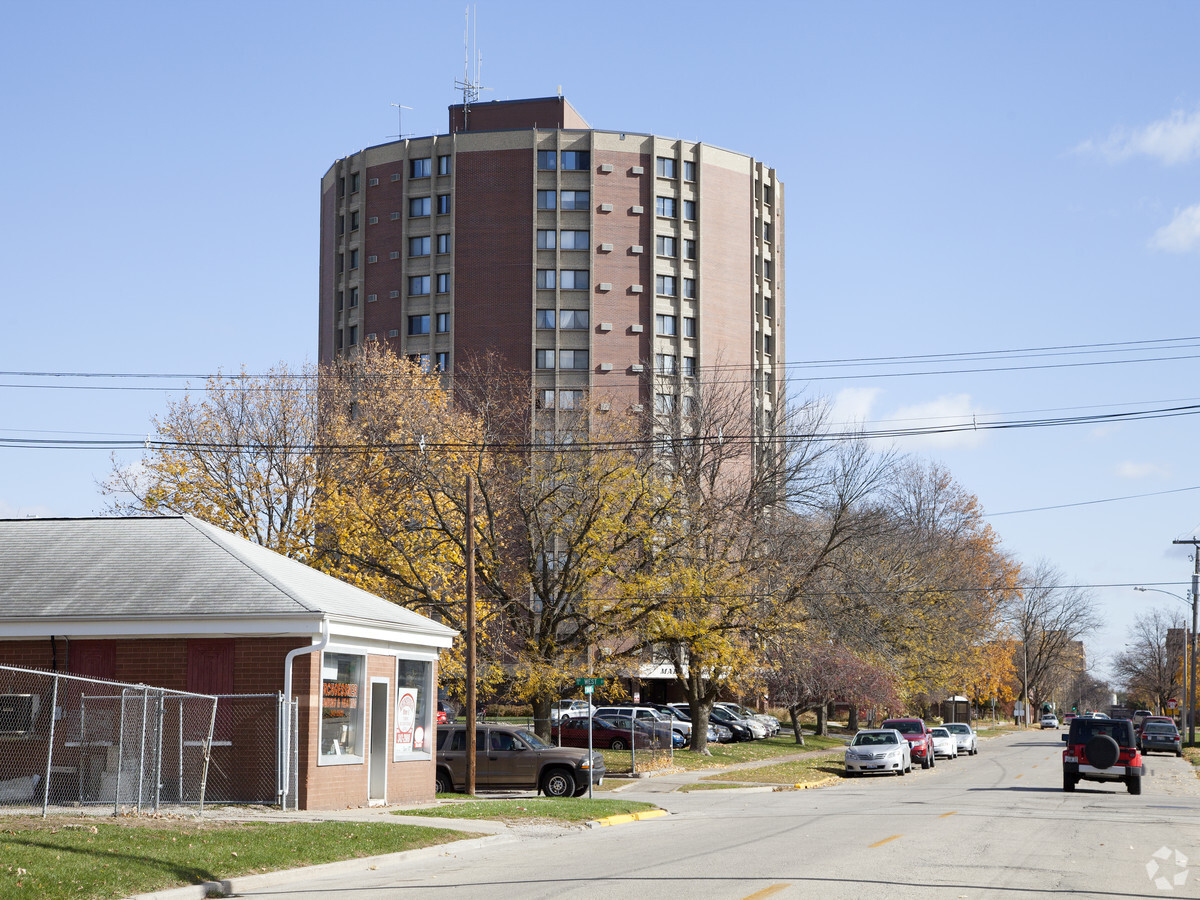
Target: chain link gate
{"x": 70, "y": 741}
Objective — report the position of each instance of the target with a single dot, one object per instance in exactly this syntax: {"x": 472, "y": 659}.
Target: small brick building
{"x": 178, "y": 603}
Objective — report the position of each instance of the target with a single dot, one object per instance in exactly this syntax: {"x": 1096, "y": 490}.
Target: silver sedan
{"x": 880, "y": 750}
{"x": 964, "y": 735}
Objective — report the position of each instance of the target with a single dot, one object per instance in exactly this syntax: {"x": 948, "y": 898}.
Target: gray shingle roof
{"x": 169, "y": 567}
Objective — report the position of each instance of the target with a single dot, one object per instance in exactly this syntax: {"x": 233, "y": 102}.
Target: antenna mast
{"x": 470, "y": 84}
{"x": 399, "y": 135}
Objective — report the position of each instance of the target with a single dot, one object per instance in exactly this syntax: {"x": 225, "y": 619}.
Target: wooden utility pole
{"x": 470, "y": 635}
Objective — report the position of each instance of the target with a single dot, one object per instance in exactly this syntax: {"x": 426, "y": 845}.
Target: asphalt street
{"x": 993, "y": 825}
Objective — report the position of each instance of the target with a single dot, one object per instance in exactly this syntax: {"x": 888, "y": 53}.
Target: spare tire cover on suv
{"x": 1102, "y": 751}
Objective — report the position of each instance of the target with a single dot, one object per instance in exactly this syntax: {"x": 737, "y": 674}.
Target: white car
{"x": 964, "y": 735}
{"x": 570, "y": 709}
{"x": 878, "y": 750}
{"x": 1049, "y": 720}
{"x": 944, "y": 743}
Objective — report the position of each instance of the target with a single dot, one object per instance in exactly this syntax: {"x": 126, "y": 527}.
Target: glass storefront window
{"x": 341, "y": 711}
{"x": 414, "y": 731}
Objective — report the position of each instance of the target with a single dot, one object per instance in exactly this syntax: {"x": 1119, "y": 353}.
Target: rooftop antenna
{"x": 400, "y": 135}
{"x": 470, "y": 84}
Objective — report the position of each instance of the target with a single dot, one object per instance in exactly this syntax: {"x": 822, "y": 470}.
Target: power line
{"x": 1013, "y": 512}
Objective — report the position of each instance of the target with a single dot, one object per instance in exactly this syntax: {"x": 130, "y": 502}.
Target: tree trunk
{"x": 822, "y": 720}
{"x": 852, "y": 723}
{"x": 795, "y": 714}
{"x": 700, "y": 703}
{"x": 541, "y": 717}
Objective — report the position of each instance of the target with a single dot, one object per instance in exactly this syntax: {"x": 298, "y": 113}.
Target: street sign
{"x": 1172, "y": 704}
{"x": 587, "y": 689}
{"x": 590, "y": 682}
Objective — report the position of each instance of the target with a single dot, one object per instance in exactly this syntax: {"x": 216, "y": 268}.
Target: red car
{"x": 919, "y": 737}
{"x": 605, "y": 735}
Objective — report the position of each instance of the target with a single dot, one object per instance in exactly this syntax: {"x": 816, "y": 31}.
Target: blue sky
{"x": 960, "y": 178}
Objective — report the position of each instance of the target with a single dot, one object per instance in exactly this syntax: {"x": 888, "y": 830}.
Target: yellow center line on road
{"x": 952, "y": 812}
{"x": 1020, "y": 775}
{"x": 885, "y": 840}
{"x": 766, "y": 892}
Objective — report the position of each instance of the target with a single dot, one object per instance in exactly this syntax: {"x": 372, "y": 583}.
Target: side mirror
{"x": 1064, "y": 738}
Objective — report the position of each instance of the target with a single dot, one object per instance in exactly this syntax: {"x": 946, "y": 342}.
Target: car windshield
{"x": 958, "y": 728}
{"x": 533, "y": 740}
{"x": 941, "y": 732}
{"x": 872, "y": 738}
{"x": 907, "y": 727}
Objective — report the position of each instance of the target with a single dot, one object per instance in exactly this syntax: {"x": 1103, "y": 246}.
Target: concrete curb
{"x": 229, "y": 887}
{"x": 629, "y": 817}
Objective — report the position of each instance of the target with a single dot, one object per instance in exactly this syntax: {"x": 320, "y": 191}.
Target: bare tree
{"x": 1145, "y": 668}
{"x": 1049, "y": 618}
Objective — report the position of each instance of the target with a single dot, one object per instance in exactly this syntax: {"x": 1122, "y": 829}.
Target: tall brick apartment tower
{"x": 623, "y": 265}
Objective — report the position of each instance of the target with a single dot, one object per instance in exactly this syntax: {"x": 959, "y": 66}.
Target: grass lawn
{"x": 724, "y": 755}
{"x": 800, "y": 771}
{"x": 49, "y": 859}
{"x": 706, "y": 786}
{"x": 569, "y": 810}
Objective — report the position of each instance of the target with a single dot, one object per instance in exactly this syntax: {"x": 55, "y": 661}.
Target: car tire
{"x": 442, "y": 782}
{"x": 1178, "y": 753}
{"x": 925, "y": 762}
{"x": 1068, "y": 783}
{"x": 581, "y": 791}
{"x": 617, "y": 744}
{"x": 1134, "y": 783}
{"x": 1102, "y": 751}
{"x": 902, "y": 771}
{"x": 558, "y": 783}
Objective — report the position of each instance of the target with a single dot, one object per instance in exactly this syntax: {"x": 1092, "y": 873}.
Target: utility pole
{"x": 1190, "y": 713}
{"x": 471, "y": 748}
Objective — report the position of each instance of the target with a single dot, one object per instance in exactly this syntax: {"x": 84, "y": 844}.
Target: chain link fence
{"x": 251, "y": 762}
{"x": 70, "y": 741}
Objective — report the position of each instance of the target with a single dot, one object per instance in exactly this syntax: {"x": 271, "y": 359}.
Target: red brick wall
{"x": 545, "y": 113}
{"x": 493, "y": 300}
{"x": 622, "y": 269}
{"x": 726, "y": 270}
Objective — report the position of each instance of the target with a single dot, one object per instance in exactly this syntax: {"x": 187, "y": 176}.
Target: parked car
{"x": 916, "y": 732}
{"x": 944, "y": 743}
{"x": 964, "y": 736}
{"x": 648, "y": 714}
{"x": 571, "y": 709}
{"x": 659, "y": 734}
{"x": 510, "y": 757}
{"x": 1162, "y": 736}
{"x": 1049, "y": 720}
{"x": 739, "y": 729}
{"x": 447, "y": 712}
{"x": 1147, "y": 720}
{"x": 878, "y": 750}
{"x": 1138, "y": 717}
{"x": 1067, "y": 719}
{"x": 717, "y": 733}
{"x": 606, "y": 734}
{"x": 769, "y": 722}
{"x": 1102, "y": 750}
{"x": 757, "y": 730}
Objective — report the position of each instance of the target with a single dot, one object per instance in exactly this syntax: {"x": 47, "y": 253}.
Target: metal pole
{"x": 1192, "y": 680}
{"x": 84, "y": 757}
{"x": 212, "y": 725}
{"x": 280, "y": 762}
{"x": 1025, "y": 681}
{"x": 179, "y": 772}
{"x": 587, "y": 696}
{"x": 50, "y": 750}
{"x": 471, "y": 699}
{"x": 160, "y": 719}
{"x": 142, "y": 749}
{"x": 120, "y": 753}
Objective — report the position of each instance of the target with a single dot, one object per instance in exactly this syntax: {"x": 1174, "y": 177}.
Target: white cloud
{"x": 852, "y": 406}
{"x": 1182, "y": 235}
{"x": 1173, "y": 140}
{"x": 1139, "y": 471}
{"x": 947, "y": 411}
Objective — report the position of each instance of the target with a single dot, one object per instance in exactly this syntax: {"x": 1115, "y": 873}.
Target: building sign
{"x": 406, "y": 721}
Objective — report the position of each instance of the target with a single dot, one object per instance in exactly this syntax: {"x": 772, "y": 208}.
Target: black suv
{"x": 1102, "y": 750}
{"x": 511, "y": 757}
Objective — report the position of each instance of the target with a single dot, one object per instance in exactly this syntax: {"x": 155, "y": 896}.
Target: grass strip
{"x": 726, "y": 755}
{"x": 86, "y": 859}
{"x": 706, "y": 786}
{"x": 800, "y": 771}
{"x": 564, "y": 810}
